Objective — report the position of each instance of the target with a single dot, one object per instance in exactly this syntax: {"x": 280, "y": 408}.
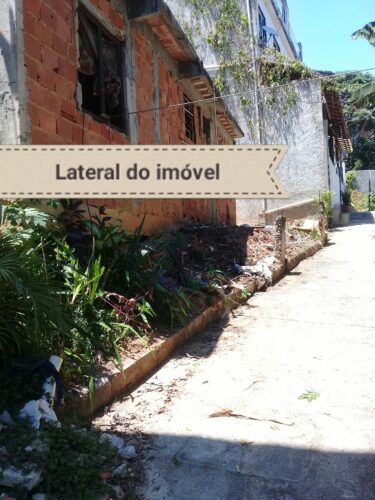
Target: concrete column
{"x": 280, "y": 239}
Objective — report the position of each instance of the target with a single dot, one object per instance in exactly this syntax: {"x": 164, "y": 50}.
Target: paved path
{"x": 315, "y": 330}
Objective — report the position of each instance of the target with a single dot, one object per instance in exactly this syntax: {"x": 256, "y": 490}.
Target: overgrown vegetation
{"x": 360, "y": 116}
{"x": 358, "y": 200}
{"x": 80, "y": 286}
{"x": 74, "y": 463}
{"x": 229, "y": 35}
{"x": 326, "y": 197}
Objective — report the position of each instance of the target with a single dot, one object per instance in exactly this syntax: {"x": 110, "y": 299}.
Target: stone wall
{"x": 304, "y": 170}
{"x": 363, "y": 179}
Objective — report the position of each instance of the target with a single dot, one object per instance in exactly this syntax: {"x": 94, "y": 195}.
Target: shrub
{"x": 326, "y": 197}
{"x": 83, "y": 287}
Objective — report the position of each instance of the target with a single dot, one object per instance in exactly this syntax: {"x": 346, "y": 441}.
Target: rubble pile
{"x": 224, "y": 247}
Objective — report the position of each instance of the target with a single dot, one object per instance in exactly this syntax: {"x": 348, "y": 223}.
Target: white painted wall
{"x": 363, "y": 178}
{"x": 335, "y": 183}
{"x": 9, "y": 103}
{"x": 273, "y": 21}
{"x": 304, "y": 170}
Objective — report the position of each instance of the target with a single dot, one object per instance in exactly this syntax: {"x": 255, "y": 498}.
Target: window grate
{"x": 207, "y": 130}
{"x": 100, "y": 72}
{"x": 262, "y": 24}
{"x": 189, "y": 120}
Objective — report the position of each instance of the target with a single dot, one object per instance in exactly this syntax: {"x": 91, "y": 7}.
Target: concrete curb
{"x": 119, "y": 382}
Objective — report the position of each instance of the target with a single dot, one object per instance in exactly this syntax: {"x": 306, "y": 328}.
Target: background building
{"x": 300, "y": 115}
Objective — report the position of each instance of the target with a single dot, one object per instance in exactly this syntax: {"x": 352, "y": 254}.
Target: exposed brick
{"x": 48, "y": 16}
{"x": 87, "y": 120}
{"x": 118, "y": 137}
{"x": 32, "y": 67}
{"x": 59, "y": 45}
{"x": 68, "y": 70}
{"x": 44, "y": 34}
{"x": 64, "y": 29}
{"x": 77, "y": 134}
{"x": 39, "y": 136}
{"x": 64, "y": 88}
{"x": 29, "y": 21}
{"x": 32, "y": 6}
{"x": 33, "y": 111}
{"x": 72, "y": 53}
{"x": 32, "y": 46}
{"x": 92, "y": 138}
{"x": 36, "y": 92}
{"x": 47, "y": 121}
{"x": 105, "y": 132}
{"x": 64, "y": 128}
{"x": 64, "y": 9}
{"x": 116, "y": 18}
{"x": 50, "y": 59}
{"x": 52, "y": 102}
{"x": 46, "y": 77}
{"x": 79, "y": 118}
{"x": 95, "y": 126}
{"x": 105, "y": 7}
{"x": 68, "y": 110}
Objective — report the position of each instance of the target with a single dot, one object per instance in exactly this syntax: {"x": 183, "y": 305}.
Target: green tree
{"x": 358, "y": 95}
{"x": 360, "y": 116}
{"x": 366, "y": 33}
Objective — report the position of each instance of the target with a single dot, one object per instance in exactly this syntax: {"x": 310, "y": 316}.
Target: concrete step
{"x": 362, "y": 217}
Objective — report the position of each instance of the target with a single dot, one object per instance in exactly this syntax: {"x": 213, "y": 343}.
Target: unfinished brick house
{"x": 109, "y": 72}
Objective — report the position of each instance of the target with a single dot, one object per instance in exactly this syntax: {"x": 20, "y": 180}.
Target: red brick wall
{"x": 145, "y": 88}
{"x": 171, "y": 120}
{"x": 51, "y": 65}
{"x": 51, "y": 75}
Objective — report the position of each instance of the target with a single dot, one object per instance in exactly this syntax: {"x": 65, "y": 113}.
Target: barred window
{"x": 189, "y": 120}
{"x": 100, "y": 72}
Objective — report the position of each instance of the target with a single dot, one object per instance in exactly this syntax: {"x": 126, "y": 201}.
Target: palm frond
{"x": 366, "y": 33}
{"x": 364, "y": 93}
{"x": 31, "y": 313}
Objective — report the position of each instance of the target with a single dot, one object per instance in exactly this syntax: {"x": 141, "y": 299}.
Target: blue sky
{"x": 325, "y": 26}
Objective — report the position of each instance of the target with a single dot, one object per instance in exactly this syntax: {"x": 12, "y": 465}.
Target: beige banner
{"x": 141, "y": 171}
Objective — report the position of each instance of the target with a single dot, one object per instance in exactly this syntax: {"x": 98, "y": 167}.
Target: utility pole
{"x": 251, "y": 4}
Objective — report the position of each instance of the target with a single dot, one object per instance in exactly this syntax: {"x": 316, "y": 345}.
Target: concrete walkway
{"x": 314, "y": 331}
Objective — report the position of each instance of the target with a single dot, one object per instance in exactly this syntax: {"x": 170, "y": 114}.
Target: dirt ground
{"x": 225, "y": 246}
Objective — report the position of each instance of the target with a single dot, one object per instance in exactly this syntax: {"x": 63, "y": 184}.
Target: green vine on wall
{"x": 229, "y": 36}
{"x": 229, "y": 24}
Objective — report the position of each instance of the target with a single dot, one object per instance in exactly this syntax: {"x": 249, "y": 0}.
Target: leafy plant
{"x": 310, "y": 396}
{"x": 315, "y": 234}
{"x": 32, "y": 315}
{"x": 326, "y": 197}
{"x": 346, "y": 198}
{"x": 73, "y": 461}
{"x": 351, "y": 181}
{"x": 365, "y": 33}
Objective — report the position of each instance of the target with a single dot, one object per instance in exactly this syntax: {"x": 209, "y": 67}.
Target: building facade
{"x": 274, "y": 28}
{"x": 109, "y": 72}
{"x": 297, "y": 114}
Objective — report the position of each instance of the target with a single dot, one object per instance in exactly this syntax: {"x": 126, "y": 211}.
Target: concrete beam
{"x": 294, "y": 211}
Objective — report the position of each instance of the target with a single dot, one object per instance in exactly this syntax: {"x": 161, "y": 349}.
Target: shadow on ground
{"x": 207, "y": 469}
{"x": 359, "y": 218}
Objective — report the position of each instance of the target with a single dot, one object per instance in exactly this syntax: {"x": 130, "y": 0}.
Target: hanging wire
{"x": 215, "y": 98}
